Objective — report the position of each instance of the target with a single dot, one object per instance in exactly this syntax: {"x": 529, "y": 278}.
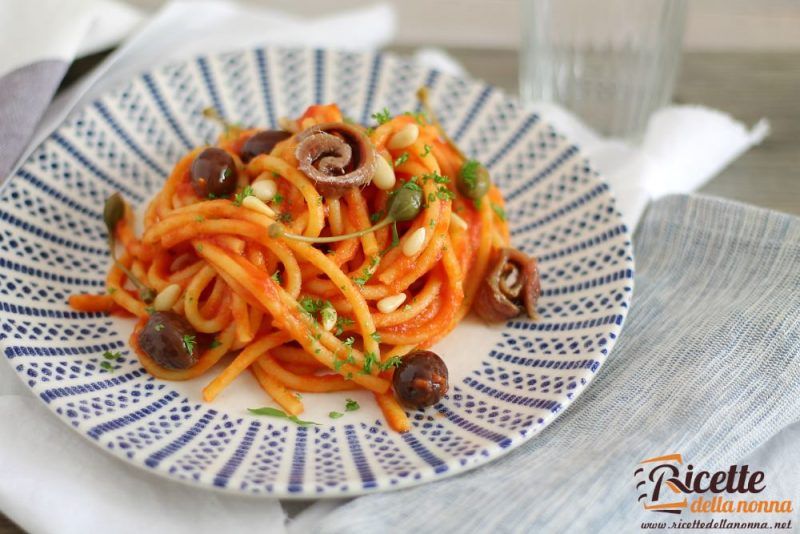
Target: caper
{"x": 113, "y": 213}
{"x": 473, "y": 180}
{"x": 405, "y": 204}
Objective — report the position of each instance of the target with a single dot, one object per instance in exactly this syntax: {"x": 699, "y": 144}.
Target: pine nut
{"x": 252, "y": 203}
{"x": 167, "y": 297}
{"x": 390, "y": 304}
{"x": 403, "y": 138}
{"x": 265, "y": 190}
{"x": 384, "y": 175}
{"x": 456, "y": 219}
{"x": 329, "y": 316}
{"x": 414, "y": 243}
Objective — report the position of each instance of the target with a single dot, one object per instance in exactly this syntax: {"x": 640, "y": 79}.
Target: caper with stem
{"x": 473, "y": 178}
{"x": 404, "y": 205}
{"x": 113, "y": 212}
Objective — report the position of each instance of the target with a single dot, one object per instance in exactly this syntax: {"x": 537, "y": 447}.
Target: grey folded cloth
{"x": 708, "y": 366}
{"x": 25, "y": 94}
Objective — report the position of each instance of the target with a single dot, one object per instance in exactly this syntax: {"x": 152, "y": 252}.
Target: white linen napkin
{"x": 53, "y": 481}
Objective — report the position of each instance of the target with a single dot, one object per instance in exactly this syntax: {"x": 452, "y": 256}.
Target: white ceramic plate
{"x": 507, "y": 382}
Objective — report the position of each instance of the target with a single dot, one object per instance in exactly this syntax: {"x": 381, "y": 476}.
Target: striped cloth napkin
{"x": 708, "y": 366}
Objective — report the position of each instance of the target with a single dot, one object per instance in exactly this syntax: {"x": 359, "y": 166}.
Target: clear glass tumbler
{"x": 612, "y": 62}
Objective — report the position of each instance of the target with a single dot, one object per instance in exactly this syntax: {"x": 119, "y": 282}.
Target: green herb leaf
{"x": 342, "y": 323}
{"x": 394, "y": 361}
{"x": 382, "y": 117}
{"x": 351, "y": 406}
{"x": 189, "y": 343}
{"x": 159, "y": 327}
{"x": 107, "y": 366}
{"x": 370, "y": 359}
{"x": 241, "y": 195}
{"x": 149, "y": 309}
{"x": 214, "y": 343}
{"x": 312, "y": 306}
{"x": 444, "y": 193}
{"x": 274, "y": 412}
{"x": 376, "y": 336}
{"x": 335, "y": 415}
{"x": 276, "y": 277}
{"x": 108, "y": 355}
{"x": 401, "y": 159}
{"x": 277, "y": 199}
{"x": 426, "y": 150}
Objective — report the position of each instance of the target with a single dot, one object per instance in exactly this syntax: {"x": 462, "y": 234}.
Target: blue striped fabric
{"x": 708, "y": 366}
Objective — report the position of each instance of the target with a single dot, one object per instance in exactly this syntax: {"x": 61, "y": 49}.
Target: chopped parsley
{"x": 418, "y": 116}
{"x": 499, "y": 211}
{"x": 337, "y": 364}
{"x": 149, "y": 309}
{"x": 199, "y": 218}
{"x": 276, "y": 277}
{"x": 241, "y": 195}
{"x": 444, "y": 193}
{"x": 189, "y": 342}
{"x": 411, "y": 184}
{"x": 107, "y": 366}
{"x": 312, "y": 306}
{"x": 335, "y": 415}
{"x": 351, "y": 406}
{"x": 401, "y": 159}
{"x": 376, "y": 336}
{"x": 159, "y": 327}
{"x": 108, "y": 355}
{"x": 426, "y": 149}
{"x": 394, "y": 361}
{"x": 366, "y": 274}
{"x": 112, "y": 290}
{"x": 375, "y": 217}
{"x": 285, "y": 217}
{"x": 383, "y": 116}
{"x": 370, "y": 359}
{"x": 277, "y": 199}
{"x": 274, "y": 412}
{"x": 436, "y": 177}
{"x": 342, "y": 323}
{"x": 214, "y": 343}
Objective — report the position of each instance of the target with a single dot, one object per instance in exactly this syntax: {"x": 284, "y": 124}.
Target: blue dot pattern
{"x": 52, "y": 244}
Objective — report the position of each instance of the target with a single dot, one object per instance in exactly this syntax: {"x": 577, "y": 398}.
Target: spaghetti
{"x": 251, "y": 274}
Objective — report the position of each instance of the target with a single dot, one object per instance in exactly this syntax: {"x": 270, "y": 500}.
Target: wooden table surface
{"x": 749, "y": 86}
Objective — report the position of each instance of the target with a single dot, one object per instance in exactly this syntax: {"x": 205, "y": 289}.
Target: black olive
{"x": 170, "y": 340}
{"x": 262, "y": 143}
{"x": 420, "y": 380}
{"x": 214, "y": 173}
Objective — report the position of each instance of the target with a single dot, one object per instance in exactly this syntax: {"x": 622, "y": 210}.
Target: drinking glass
{"x": 612, "y": 62}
